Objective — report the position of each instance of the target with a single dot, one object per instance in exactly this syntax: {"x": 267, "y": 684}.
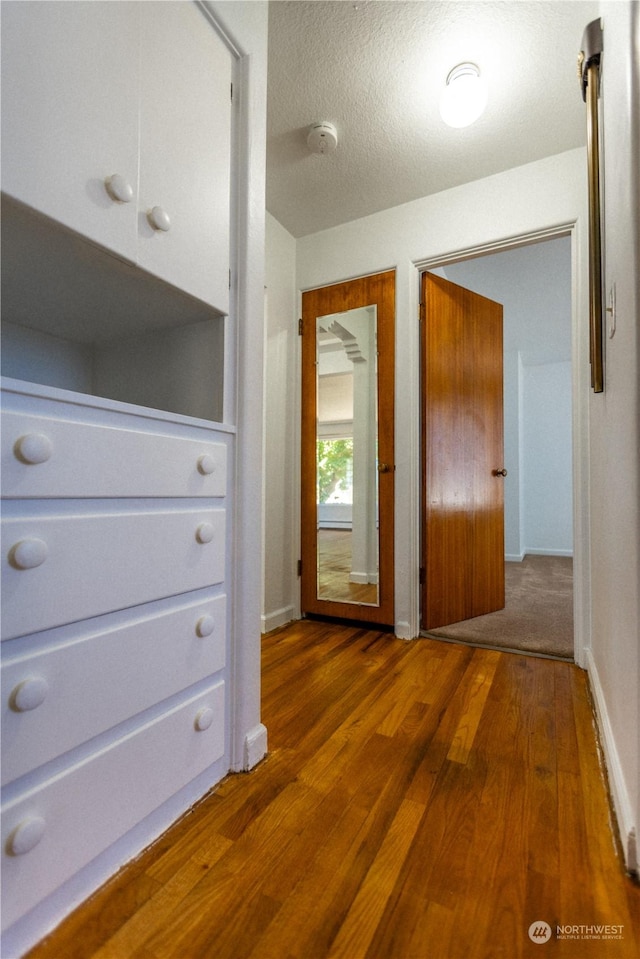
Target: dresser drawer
{"x": 50, "y": 457}
{"x": 57, "y": 698}
{"x": 80, "y": 813}
{"x": 60, "y": 568}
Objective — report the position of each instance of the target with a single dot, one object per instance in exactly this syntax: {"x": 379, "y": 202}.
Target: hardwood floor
{"x": 334, "y": 567}
{"x": 420, "y": 801}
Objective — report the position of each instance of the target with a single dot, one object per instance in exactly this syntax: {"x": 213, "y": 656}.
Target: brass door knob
{"x": 385, "y": 468}
{"x": 501, "y": 472}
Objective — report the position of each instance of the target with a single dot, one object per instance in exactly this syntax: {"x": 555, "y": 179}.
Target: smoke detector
{"x": 322, "y": 138}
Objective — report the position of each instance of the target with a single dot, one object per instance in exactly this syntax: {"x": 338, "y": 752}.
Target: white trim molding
{"x": 532, "y": 551}
{"x": 580, "y": 414}
{"x": 255, "y": 746}
{"x": 278, "y": 618}
{"x": 617, "y": 785}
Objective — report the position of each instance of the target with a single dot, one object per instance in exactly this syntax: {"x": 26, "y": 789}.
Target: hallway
{"x": 419, "y": 801}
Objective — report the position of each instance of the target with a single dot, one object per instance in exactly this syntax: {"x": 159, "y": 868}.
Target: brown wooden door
{"x": 332, "y": 585}
{"x": 463, "y": 449}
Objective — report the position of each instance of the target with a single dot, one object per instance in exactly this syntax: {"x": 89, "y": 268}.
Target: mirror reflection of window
{"x": 335, "y": 471}
{"x": 346, "y": 444}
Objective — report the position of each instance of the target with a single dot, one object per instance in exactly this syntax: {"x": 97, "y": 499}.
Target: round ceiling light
{"x": 464, "y": 97}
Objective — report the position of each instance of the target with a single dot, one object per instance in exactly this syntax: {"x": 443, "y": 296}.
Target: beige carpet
{"x": 538, "y": 616}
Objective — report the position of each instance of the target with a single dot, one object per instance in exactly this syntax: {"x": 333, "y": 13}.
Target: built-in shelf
{"x": 77, "y": 317}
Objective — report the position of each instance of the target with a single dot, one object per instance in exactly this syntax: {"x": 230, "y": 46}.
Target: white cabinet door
{"x": 70, "y": 113}
{"x": 185, "y": 143}
{"x": 139, "y": 90}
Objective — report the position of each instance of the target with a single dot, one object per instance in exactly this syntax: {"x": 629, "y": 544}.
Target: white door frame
{"x": 580, "y": 417}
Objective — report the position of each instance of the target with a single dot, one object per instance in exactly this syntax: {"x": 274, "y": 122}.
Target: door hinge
{"x": 300, "y": 327}
{"x": 232, "y": 92}
{"x": 299, "y": 567}
{"x": 422, "y": 575}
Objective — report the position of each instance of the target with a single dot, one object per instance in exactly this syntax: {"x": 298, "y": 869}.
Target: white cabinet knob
{"x": 205, "y": 626}
{"x": 204, "y": 532}
{"x": 28, "y": 553}
{"x": 204, "y": 718}
{"x": 206, "y": 464}
{"x": 33, "y": 448}
{"x": 26, "y": 836}
{"x": 119, "y": 189}
{"x": 29, "y": 694}
{"x": 159, "y": 219}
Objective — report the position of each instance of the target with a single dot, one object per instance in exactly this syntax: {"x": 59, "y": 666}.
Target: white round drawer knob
{"x": 119, "y": 189}
{"x": 26, "y": 836}
{"x": 204, "y": 718}
{"x": 159, "y": 219}
{"x": 29, "y": 694}
{"x": 205, "y": 626}
{"x": 204, "y": 532}
{"x": 206, "y": 464}
{"x": 33, "y": 448}
{"x": 29, "y": 553}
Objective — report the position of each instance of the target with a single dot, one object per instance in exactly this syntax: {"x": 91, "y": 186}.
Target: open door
{"x": 463, "y": 449}
{"x": 348, "y": 450}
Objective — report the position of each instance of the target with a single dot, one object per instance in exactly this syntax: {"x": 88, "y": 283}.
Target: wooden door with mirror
{"x": 348, "y": 338}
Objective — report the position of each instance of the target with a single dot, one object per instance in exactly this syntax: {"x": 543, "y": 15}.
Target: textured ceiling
{"x": 375, "y": 70}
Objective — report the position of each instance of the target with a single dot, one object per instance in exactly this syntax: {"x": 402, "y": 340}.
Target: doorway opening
{"x": 533, "y": 281}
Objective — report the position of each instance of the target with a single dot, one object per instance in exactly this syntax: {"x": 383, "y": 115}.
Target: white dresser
{"x": 114, "y": 626}
{"x": 119, "y": 441}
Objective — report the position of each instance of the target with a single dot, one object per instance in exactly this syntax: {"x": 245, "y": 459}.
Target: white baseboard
{"x": 534, "y": 551}
{"x": 365, "y": 579}
{"x": 255, "y": 746}
{"x": 619, "y": 792}
{"x": 277, "y": 618}
{"x": 518, "y": 557}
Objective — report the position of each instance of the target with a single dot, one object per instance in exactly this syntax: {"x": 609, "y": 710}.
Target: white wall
{"x": 533, "y": 283}
{"x": 281, "y": 460}
{"x": 615, "y": 469}
{"x": 149, "y": 369}
{"x": 38, "y": 357}
{"x": 546, "y": 476}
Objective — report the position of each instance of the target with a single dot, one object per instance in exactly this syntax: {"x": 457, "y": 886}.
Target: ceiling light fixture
{"x": 464, "y": 97}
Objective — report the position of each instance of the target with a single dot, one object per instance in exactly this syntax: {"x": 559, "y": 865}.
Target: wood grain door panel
{"x": 462, "y": 433}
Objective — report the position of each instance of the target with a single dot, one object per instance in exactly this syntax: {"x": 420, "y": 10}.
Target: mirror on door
{"x": 347, "y": 457}
{"x": 347, "y": 449}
